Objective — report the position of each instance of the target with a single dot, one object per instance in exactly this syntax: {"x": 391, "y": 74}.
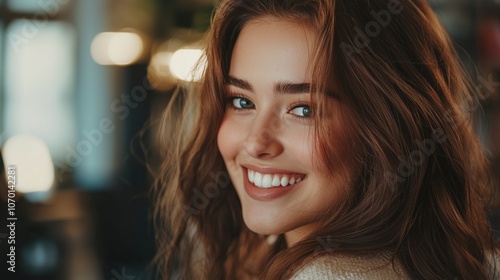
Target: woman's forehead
{"x": 273, "y": 50}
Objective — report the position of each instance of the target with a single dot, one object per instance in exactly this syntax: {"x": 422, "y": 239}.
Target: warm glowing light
{"x": 161, "y": 62}
{"x": 159, "y": 75}
{"x": 188, "y": 64}
{"x": 31, "y": 157}
{"x": 116, "y": 48}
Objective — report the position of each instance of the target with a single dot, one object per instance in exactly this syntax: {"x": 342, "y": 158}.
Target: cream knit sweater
{"x": 376, "y": 267}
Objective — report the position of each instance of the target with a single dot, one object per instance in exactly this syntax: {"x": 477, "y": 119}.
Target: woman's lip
{"x": 270, "y": 170}
{"x": 265, "y": 194}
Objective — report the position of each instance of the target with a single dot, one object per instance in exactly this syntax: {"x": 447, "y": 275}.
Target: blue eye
{"x": 242, "y": 103}
{"x": 302, "y": 111}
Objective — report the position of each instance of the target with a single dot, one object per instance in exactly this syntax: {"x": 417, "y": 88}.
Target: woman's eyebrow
{"x": 292, "y": 88}
{"x": 239, "y": 83}
{"x": 279, "y": 87}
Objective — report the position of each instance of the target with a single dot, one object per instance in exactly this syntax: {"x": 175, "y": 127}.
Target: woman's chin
{"x": 260, "y": 226}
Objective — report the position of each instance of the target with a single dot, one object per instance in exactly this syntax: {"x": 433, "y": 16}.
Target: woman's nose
{"x": 262, "y": 141}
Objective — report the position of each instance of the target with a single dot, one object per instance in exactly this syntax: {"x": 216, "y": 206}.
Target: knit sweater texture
{"x": 376, "y": 267}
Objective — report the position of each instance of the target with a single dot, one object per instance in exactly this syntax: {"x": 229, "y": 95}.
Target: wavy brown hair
{"x": 423, "y": 174}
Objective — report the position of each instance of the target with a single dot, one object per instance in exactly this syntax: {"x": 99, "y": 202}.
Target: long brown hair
{"x": 422, "y": 172}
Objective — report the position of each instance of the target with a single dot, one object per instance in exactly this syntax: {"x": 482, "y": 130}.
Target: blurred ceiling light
{"x": 117, "y": 48}
{"x": 34, "y": 167}
{"x": 188, "y": 64}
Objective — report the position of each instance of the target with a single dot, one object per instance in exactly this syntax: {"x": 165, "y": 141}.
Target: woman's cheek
{"x": 229, "y": 139}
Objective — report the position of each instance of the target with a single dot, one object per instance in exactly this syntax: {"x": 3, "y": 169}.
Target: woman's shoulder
{"x": 377, "y": 266}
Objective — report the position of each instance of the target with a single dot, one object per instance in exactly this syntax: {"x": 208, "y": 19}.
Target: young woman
{"x": 327, "y": 140}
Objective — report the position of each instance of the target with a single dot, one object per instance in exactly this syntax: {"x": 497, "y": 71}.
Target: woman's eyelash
{"x": 230, "y": 97}
{"x": 230, "y": 101}
{"x": 307, "y": 109}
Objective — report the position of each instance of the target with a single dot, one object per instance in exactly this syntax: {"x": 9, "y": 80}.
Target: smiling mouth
{"x": 266, "y": 181}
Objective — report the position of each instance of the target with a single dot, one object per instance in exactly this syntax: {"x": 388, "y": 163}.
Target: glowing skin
{"x": 267, "y": 128}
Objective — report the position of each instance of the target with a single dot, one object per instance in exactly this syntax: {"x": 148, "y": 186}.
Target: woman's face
{"x": 267, "y": 135}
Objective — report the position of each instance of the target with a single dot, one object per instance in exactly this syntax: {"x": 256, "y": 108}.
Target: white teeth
{"x": 276, "y": 181}
{"x": 284, "y": 181}
{"x": 258, "y": 179}
{"x": 250, "y": 175}
{"x": 267, "y": 181}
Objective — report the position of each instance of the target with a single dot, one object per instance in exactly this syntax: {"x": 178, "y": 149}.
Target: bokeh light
{"x": 188, "y": 64}
{"x": 116, "y": 48}
{"x": 31, "y": 158}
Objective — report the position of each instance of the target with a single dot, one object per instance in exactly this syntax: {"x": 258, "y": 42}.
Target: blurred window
{"x": 40, "y": 82}
{"x": 37, "y": 73}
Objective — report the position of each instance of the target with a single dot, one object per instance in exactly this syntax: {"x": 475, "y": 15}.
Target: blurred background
{"x": 80, "y": 80}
